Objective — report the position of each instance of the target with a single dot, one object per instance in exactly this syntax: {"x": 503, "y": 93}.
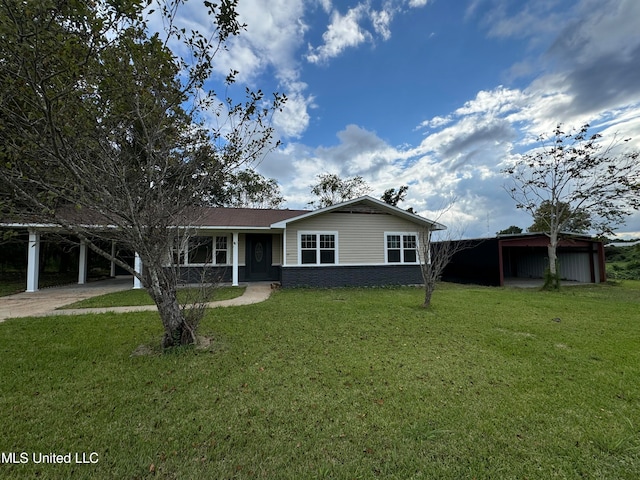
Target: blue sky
{"x": 435, "y": 94}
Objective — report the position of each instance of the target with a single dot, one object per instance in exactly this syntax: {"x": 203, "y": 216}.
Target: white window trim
{"x": 213, "y": 263}
{"x": 317, "y": 233}
{"x": 402, "y": 249}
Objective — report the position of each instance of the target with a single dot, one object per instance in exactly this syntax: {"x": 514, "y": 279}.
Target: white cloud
{"x": 270, "y": 45}
{"x": 498, "y": 101}
{"x": 435, "y": 122}
{"x": 273, "y": 36}
{"x": 326, "y": 5}
{"x": 293, "y": 120}
{"x": 348, "y": 30}
{"x": 343, "y": 32}
{"x": 381, "y": 22}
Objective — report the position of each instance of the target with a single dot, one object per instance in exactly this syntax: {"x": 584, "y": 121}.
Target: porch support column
{"x": 137, "y": 266}
{"x": 82, "y": 264}
{"x": 284, "y": 247}
{"x": 236, "y": 245}
{"x": 33, "y": 261}
{"x": 112, "y": 272}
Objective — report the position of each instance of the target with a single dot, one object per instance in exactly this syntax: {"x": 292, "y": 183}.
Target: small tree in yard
{"x": 434, "y": 257}
{"x": 575, "y": 179}
{"x": 102, "y": 124}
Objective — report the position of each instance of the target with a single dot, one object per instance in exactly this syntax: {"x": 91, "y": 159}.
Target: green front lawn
{"x": 356, "y": 383}
{"x": 129, "y": 298}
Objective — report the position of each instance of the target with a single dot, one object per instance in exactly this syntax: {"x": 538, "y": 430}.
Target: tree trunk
{"x": 552, "y": 280}
{"x": 176, "y": 330}
{"x": 163, "y": 291}
{"x": 553, "y": 257}
{"x": 429, "y": 287}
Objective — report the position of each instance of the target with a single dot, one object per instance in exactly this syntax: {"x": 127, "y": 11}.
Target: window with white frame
{"x": 222, "y": 247}
{"x": 318, "y": 248}
{"x": 178, "y": 250}
{"x": 401, "y": 247}
{"x": 208, "y": 250}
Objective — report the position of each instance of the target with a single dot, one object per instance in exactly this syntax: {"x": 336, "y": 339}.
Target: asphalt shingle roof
{"x": 243, "y": 217}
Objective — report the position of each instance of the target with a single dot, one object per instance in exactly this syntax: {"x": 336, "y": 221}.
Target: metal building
{"x": 510, "y": 258}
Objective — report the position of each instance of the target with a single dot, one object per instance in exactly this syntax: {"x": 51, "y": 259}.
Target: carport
{"x": 508, "y": 258}
{"x": 70, "y": 253}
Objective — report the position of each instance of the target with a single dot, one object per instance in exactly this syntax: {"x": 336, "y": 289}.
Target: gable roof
{"x": 351, "y": 205}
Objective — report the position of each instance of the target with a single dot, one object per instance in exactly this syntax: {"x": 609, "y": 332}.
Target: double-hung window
{"x": 200, "y": 250}
{"x": 401, "y": 247}
{"x": 208, "y": 250}
{"x": 222, "y": 247}
{"x": 318, "y": 248}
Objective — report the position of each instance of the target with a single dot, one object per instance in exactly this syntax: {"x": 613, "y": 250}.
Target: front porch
{"x": 230, "y": 257}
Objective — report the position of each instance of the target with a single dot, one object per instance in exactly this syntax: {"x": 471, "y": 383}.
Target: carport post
{"x": 137, "y": 266}
{"x": 33, "y": 261}
{"x": 112, "y": 272}
{"x": 234, "y": 268}
{"x": 82, "y": 264}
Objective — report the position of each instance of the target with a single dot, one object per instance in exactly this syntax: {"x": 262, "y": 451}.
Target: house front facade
{"x": 360, "y": 242}
{"x": 363, "y": 242}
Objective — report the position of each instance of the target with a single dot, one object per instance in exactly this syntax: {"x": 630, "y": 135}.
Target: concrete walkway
{"x": 46, "y": 301}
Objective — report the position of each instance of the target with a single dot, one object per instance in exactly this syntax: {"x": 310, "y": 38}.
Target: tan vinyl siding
{"x": 276, "y": 249}
{"x": 360, "y": 236}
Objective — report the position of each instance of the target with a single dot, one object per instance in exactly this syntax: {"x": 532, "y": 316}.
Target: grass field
{"x": 128, "y": 298}
{"x": 356, "y": 383}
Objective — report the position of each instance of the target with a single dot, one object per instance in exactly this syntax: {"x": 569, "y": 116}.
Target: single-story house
{"x": 509, "y": 258}
{"x": 360, "y": 242}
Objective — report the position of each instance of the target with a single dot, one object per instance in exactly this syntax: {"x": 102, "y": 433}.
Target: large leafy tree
{"x": 572, "y": 221}
{"x": 102, "y": 124}
{"x": 393, "y": 197}
{"x": 249, "y": 189}
{"x": 573, "y": 179}
{"x": 331, "y": 189}
{"x": 513, "y": 229}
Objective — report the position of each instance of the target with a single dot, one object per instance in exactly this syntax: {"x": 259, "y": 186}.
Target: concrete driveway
{"x": 46, "y": 301}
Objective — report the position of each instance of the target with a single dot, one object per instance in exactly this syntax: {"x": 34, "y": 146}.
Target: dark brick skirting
{"x": 354, "y": 276}
{"x": 195, "y": 275}
{"x": 224, "y": 274}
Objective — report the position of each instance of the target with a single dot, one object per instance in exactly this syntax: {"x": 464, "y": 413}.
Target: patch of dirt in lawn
{"x": 204, "y": 344}
{"x": 144, "y": 351}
